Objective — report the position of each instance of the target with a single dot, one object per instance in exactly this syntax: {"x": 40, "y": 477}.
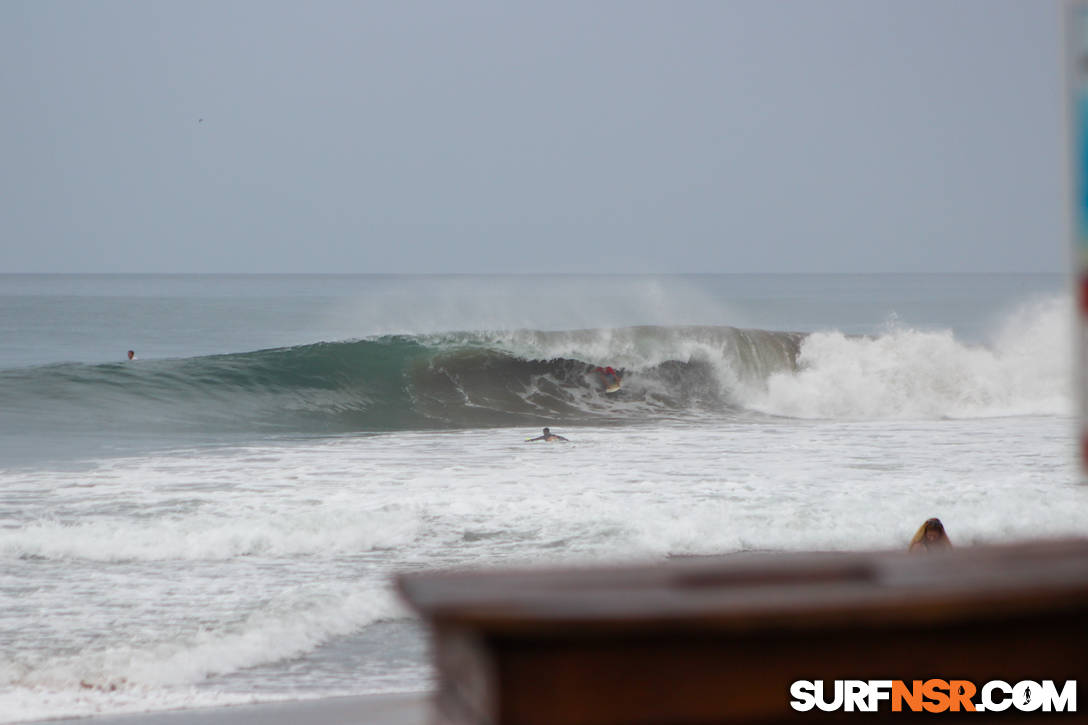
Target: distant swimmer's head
{"x": 131, "y": 354}
{"x": 547, "y": 431}
{"x": 930, "y": 535}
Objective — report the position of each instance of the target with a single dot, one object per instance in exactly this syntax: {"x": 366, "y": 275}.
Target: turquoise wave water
{"x": 386, "y": 383}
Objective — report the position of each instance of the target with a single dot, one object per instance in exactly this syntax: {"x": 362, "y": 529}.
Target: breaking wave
{"x": 527, "y": 377}
{"x": 405, "y": 382}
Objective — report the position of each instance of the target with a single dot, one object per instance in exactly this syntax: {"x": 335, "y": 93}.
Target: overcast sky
{"x": 551, "y": 136}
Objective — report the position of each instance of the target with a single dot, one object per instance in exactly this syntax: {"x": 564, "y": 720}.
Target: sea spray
{"x": 909, "y": 373}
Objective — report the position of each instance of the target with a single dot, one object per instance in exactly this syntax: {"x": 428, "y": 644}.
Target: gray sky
{"x": 557, "y": 136}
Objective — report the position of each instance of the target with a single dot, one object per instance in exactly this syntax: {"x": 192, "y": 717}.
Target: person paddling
{"x": 548, "y": 437}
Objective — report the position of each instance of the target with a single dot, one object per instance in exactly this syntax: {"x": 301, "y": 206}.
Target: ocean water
{"x": 219, "y": 520}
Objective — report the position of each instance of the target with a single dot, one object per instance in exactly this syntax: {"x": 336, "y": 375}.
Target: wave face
{"x": 402, "y": 382}
{"x": 531, "y": 377}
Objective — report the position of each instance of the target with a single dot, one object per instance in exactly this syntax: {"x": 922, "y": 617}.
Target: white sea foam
{"x": 292, "y": 624}
{"x": 909, "y": 373}
{"x": 130, "y": 675}
{"x": 158, "y": 622}
{"x": 29, "y": 704}
{"x": 330, "y": 530}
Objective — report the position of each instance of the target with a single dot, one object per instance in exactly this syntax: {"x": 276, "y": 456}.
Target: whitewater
{"x": 219, "y": 521}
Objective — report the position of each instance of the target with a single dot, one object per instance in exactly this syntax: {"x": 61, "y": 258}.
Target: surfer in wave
{"x": 548, "y": 437}
{"x": 610, "y": 377}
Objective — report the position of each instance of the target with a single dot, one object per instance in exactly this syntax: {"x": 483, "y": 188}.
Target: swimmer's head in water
{"x": 547, "y": 431}
{"x": 131, "y": 354}
{"x": 930, "y": 535}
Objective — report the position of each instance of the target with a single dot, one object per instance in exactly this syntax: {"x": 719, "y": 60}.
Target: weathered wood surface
{"x": 721, "y": 640}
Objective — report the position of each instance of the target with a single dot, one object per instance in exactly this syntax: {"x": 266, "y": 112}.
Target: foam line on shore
{"x": 399, "y": 709}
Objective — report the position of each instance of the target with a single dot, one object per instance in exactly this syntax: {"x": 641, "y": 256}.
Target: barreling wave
{"x": 403, "y": 382}
{"x": 532, "y": 377}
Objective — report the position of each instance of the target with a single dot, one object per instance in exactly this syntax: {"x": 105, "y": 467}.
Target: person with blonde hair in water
{"x": 930, "y": 537}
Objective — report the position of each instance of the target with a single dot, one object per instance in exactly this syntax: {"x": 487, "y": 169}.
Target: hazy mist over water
{"x": 96, "y": 318}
